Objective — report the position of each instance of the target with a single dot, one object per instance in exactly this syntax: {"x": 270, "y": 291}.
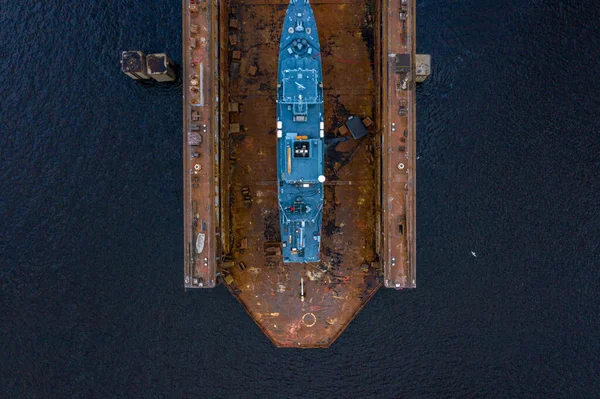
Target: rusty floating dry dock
{"x": 230, "y": 202}
{"x": 201, "y": 143}
{"x": 398, "y": 134}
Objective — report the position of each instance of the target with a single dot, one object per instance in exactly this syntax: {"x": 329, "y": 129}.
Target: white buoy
{"x": 321, "y": 179}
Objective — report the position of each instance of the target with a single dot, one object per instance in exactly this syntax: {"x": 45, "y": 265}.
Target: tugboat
{"x": 300, "y": 133}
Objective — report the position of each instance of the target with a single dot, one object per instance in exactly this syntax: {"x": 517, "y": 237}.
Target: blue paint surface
{"x": 300, "y": 142}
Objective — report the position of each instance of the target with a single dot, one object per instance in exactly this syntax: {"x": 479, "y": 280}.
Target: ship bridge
{"x": 300, "y": 86}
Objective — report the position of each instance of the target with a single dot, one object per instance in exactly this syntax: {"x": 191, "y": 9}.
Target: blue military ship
{"x": 300, "y": 132}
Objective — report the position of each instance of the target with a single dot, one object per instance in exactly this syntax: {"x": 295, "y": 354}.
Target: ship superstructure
{"x": 300, "y": 133}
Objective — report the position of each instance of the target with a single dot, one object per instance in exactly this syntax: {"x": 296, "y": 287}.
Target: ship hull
{"x": 300, "y": 135}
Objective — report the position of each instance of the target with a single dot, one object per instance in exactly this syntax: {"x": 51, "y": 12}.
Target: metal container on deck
{"x": 133, "y": 64}
{"x": 160, "y": 67}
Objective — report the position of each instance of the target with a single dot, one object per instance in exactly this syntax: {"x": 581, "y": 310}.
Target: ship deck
{"x": 353, "y": 227}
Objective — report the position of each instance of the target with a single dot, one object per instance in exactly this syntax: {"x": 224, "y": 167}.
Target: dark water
{"x": 91, "y": 286}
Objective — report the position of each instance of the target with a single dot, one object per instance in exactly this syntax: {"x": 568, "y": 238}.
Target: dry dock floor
{"x": 336, "y": 288}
